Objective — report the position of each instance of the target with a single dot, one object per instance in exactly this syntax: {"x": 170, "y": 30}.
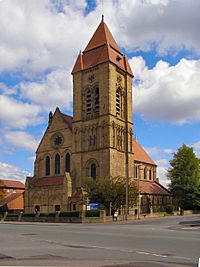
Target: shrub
{"x": 51, "y": 214}
{"x": 28, "y": 214}
{"x": 12, "y": 215}
{"x": 169, "y": 209}
{"x": 69, "y": 214}
{"x": 92, "y": 213}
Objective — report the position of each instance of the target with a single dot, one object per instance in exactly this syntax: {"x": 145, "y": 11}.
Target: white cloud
{"x": 6, "y": 90}
{"x": 163, "y": 165}
{"x": 168, "y": 93}
{"x": 16, "y": 114}
{"x": 168, "y": 151}
{"x": 54, "y": 90}
{"x": 11, "y": 172}
{"x": 166, "y": 25}
{"x": 196, "y": 147}
{"x": 22, "y": 139}
{"x": 42, "y": 34}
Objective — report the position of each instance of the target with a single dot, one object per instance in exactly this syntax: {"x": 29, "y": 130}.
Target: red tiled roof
{"x": 101, "y": 48}
{"x": 48, "y": 181}
{"x": 10, "y": 198}
{"x": 102, "y": 36}
{"x": 140, "y": 154}
{"x": 152, "y": 188}
{"x": 12, "y": 184}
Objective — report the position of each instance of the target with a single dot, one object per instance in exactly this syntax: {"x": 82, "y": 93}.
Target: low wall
{"x": 83, "y": 219}
{"x": 46, "y": 219}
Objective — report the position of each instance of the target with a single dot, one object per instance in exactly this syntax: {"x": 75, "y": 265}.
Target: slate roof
{"x": 140, "y": 154}
{"x": 101, "y": 48}
{"x": 152, "y": 188}
{"x": 12, "y": 184}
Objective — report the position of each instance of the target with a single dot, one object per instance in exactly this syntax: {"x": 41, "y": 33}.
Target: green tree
{"x": 184, "y": 176}
{"x": 111, "y": 193}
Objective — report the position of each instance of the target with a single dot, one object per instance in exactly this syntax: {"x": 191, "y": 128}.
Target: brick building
{"x": 13, "y": 199}
{"x": 98, "y": 140}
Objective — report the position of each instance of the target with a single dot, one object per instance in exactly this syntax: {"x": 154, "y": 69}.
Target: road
{"x": 149, "y": 242}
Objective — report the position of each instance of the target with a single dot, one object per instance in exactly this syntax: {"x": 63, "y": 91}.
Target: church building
{"x": 98, "y": 140}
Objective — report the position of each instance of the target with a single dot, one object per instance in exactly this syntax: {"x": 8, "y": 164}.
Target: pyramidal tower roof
{"x": 102, "y": 36}
{"x": 101, "y": 48}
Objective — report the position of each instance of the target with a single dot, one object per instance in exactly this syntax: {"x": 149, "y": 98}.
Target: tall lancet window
{"x": 57, "y": 164}
{"x": 47, "y": 166}
{"x": 89, "y": 102}
{"x": 67, "y": 162}
{"x": 93, "y": 171}
{"x": 118, "y": 102}
{"x": 96, "y": 101}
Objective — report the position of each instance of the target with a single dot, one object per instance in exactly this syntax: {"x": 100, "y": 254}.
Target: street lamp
{"x": 139, "y": 165}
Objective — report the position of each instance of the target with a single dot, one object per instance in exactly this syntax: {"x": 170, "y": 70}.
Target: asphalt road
{"x": 152, "y": 242}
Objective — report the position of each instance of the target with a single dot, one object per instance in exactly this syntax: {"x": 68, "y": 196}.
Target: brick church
{"x": 98, "y": 140}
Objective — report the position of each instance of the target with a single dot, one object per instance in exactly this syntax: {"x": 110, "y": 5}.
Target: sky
{"x": 40, "y": 41}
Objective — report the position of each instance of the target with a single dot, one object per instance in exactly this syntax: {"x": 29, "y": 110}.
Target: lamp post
{"x": 139, "y": 169}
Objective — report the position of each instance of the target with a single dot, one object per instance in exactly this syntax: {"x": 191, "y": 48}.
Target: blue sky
{"x": 39, "y": 46}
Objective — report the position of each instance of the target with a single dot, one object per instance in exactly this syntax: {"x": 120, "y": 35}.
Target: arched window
{"x": 150, "y": 175}
{"x": 93, "y": 171}
{"x": 57, "y": 164}
{"x": 96, "y": 100}
{"x": 67, "y": 162}
{"x": 47, "y": 166}
{"x": 145, "y": 173}
{"x": 136, "y": 171}
{"x": 88, "y": 102}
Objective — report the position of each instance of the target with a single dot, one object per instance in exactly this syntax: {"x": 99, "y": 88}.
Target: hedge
{"x": 13, "y": 215}
{"x": 92, "y": 213}
{"x": 51, "y": 214}
{"x": 28, "y": 214}
{"x": 69, "y": 214}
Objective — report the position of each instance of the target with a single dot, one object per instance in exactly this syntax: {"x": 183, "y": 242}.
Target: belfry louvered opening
{"x": 96, "y": 100}
{"x": 89, "y": 102}
{"x": 118, "y": 102}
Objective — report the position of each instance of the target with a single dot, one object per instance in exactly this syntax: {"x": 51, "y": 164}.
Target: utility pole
{"x": 139, "y": 190}
{"x": 126, "y": 151}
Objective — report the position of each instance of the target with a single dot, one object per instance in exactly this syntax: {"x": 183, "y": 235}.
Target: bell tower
{"x": 102, "y": 114}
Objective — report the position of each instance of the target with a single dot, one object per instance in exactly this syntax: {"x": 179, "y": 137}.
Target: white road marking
{"x": 160, "y": 255}
{"x": 142, "y": 252}
{"x": 110, "y": 248}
